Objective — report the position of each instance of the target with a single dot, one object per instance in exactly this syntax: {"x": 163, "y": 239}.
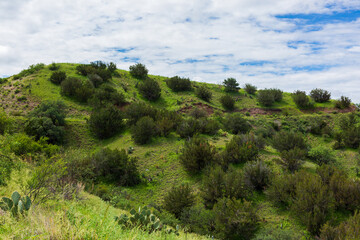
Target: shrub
{"x": 279, "y": 233}
{"x": 187, "y": 128}
{"x": 277, "y": 93}
{"x": 198, "y": 113}
{"x": 266, "y": 97}
{"x": 321, "y": 155}
{"x": 320, "y": 95}
{"x": 6, "y": 166}
{"x": 98, "y": 68}
{"x": 144, "y": 130}
{"x": 227, "y": 102}
{"x": 301, "y": 99}
{"x": 256, "y": 175}
{"x": 204, "y": 93}
{"x": 150, "y": 89}
{"x": 76, "y": 88}
{"x": 53, "y": 66}
{"x": 313, "y": 203}
{"x": 285, "y": 141}
{"x": 111, "y": 67}
{"x": 138, "y": 110}
{"x": 197, "y": 154}
{"x": 240, "y": 150}
{"x": 138, "y": 71}
{"x": 250, "y": 89}
{"x": 282, "y": 188}
{"x": 106, "y": 95}
{"x": 115, "y": 166}
{"x": 208, "y": 126}
{"x": 106, "y": 122}
{"x": 57, "y": 77}
{"x": 349, "y": 229}
{"x": 292, "y": 159}
{"x": 178, "y": 84}
{"x": 198, "y": 219}
{"x": 235, "y": 219}
{"x": 231, "y": 85}
{"x": 5, "y": 122}
{"x": 95, "y": 79}
{"x": 235, "y": 124}
{"x": 343, "y": 102}
{"x": 178, "y": 199}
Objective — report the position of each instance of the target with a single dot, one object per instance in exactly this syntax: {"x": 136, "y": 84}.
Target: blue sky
{"x": 297, "y": 44}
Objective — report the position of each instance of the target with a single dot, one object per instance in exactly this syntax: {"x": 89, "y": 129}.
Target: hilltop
{"x": 212, "y": 144}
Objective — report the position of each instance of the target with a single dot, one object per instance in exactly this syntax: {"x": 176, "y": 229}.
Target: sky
{"x": 286, "y": 44}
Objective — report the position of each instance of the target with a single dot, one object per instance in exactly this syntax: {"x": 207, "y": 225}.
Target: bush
{"x": 138, "y": 110}
{"x": 277, "y": 93}
{"x": 95, "y": 79}
{"x": 250, "y": 89}
{"x": 257, "y": 175}
{"x": 227, "y": 102}
{"x": 208, "y": 126}
{"x": 240, "y": 150}
{"x": 144, "y": 130}
{"x": 4, "y": 122}
{"x": 115, "y": 166}
{"x": 6, "y": 166}
{"x": 198, "y": 113}
{"x": 178, "y": 199}
{"x": 285, "y": 141}
{"x": 282, "y": 189}
{"x": 187, "y": 128}
{"x": 76, "y": 88}
{"x": 106, "y": 95}
{"x": 231, "y": 85}
{"x": 53, "y": 67}
{"x": 301, "y": 99}
{"x": 198, "y": 219}
{"x": 197, "y": 154}
{"x": 106, "y": 122}
{"x": 178, "y": 84}
{"x": 313, "y": 203}
{"x": 204, "y": 93}
{"x": 98, "y": 68}
{"x": 266, "y": 97}
{"x": 138, "y": 71}
{"x": 320, "y": 95}
{"x": 292, "y": 159}
{"x": 343, "y": 102}
{"x": 150, "y": 89}
{"x": 321, "y": 155}
{"x": 349, "y": 229}
{"x": 57, "y": 77}
{"x": 236, "y": 124}
{"x": 235, "y": 219}
{"x": 111, "y": 67}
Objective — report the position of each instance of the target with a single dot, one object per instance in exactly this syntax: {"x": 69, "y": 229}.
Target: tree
{"x": 320, "y": 95}
{"x": 138, "y": 71}
{"x": 150, "y": 89}
{"x": 250, "y": 89}
{"x": 301, "y": 99}
{"x": 178, "y": 199}
{"x": 178, "y": 84}
{"x": 57, "y": 77}
{"x": 204, "y": 93}
{"x": 227, "y": 102}
{"x": 231, "y": 85}
{"x": 144, "y": 130}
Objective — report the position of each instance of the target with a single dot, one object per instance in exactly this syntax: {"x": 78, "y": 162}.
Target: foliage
{"x": 111, "y": 67}
{"x": 138, "y": 71}
{"x": 57, "y": 77}
{"x": 277, "y": 93}
{"x": 95, "y": 79}
{"x": 31, "y": 70}
{"x": 257, "y": 175}
{"x": 343, "y": 102}
{"x": 16, "y": 204}
{"x": 286, "y": 140}
{"x": 54, "y": 67}
{"x": 6, "y": 167}
{"x": 105, "y": 95}
{"x": 143, "y": 131}
{"x": 227, "y": 102}
{"x": 231, "y": 85}
{"x": 77, "y": 88}
{"x": 138, "y": 110}
{"x": 250, "y": 89}
{"x": 98, "y": 68}
{"x": 321, "y": 155}
{"x": 320, "y": 95}
{"x": 150, "y": 89}
{"x": 301, "y": 100}
{"x": 235, "y": 219}
{"x": 292, "y": 159}
{"x": 187, "y": 127}
{"x": 197, "y": 154}
{"x": 204, "y": 93}
{"x": 236, "y": 124}
{"x": 349, "y": 135}
{"x": 198, "y": 219}
{"x": 241, "y": 149}
{"x": 266, "y": 98}
{"x": 106, "y": 122}
{"x": 349, "y": 229}
{"x": 178, "y": 84}
{"x": 283, "y": 187}
{"x": 178, "y": 199}
{"x": 197, "y": 113}
{"x": 5, "y": 122}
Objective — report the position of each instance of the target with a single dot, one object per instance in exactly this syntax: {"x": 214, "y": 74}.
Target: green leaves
{"x": 16, "y": 204}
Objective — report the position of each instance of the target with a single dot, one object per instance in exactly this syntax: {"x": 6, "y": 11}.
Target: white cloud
{"x": 168, "y": 35}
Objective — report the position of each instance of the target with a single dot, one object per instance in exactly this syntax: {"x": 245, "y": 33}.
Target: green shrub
{"x": 77, "y": 88}
{"x": 106, "y": 122}
{"x": 115, "y": 166}
{"x": 178, "y": 84}
{"x": 227, "y": 102}
{"x": 250, "y": 89}
{"x": 144, "y": 130}
{"x": 204, "y": 93}
{"x": 5, "y": 122}
{"x": 277, "y": 93}
{"x": 111, "y": 67}
{"x": 292, "y": 159}
{"x": 231, "y": 85}
{"x": 138, "y": 71}
{"x": 235, "y": 219}
{"x": 343, "y": 102}
{"x": 235, "y": 124}
{"x": 197, "y": 154}
{"x": 98, "y": 68}
{"x": 278, "y": 233}
{"x": 282, "y": 188}
{"x": 257, "y": 175}
{"x": 6, "y": 167}
{"x": 187, "y": 128}
{"x": 240, "y": 150}
{"x": 138, "y": 110}
{"x": 31, "y": 70}
{"x": 105, "y": 95}
{"x": 208, "y": 126}
{"x": 301, "y": 100}
{"x": 266, "y": 97}
{"x": 53, "y": 67}
{"x": 198, "y": 113}
{"x": 321, "y": 155}
{"x": 57, "y": 77}
{"x": 178, "y": 199}
{"x": 320, "y": 95}
{"x": 95, "y": 79}
{"x": 285, "y": 141}
{"x": 198, "y": 219}
{"x": 150, "y": 89}
{"x": 349, "y": 229}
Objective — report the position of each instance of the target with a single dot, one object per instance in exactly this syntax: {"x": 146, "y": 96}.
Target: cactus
{"x": 16, "y": 204}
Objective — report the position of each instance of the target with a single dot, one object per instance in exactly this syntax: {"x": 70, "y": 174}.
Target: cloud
{"x": 299, "y": 44}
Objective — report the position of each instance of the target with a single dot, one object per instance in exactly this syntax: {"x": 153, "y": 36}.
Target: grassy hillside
{"x": 87, "y": 216}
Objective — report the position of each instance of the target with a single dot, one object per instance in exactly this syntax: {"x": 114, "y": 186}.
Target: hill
{"x": 243, "y": 152}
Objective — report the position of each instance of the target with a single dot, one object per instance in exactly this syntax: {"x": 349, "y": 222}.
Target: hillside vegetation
{"x": 104, "y": 153}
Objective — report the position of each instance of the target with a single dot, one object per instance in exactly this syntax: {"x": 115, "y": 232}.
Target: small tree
{"x": 231, "y": 85}
{"x": 286, "y": 140}
{"x": 95, "y": 79}
{"x": 343, "y": 102}
{"x": 111, "y": 67}
{"x": 292, "y": 159}
{"x": 320, "y": 95}
{"x": 250, "y": 89}
{"x": 227, "y": 102}
{"x": 57, "y": 77}
{"x": 235, "y": 124}
{"x": 240, "y": 150}
{"x": 301, "y": 100}
{"x": 266, "y": 97}
{"x": 257, "y": 175}
{"x": 138, "y": 71}
{"x": 144, "y": 130}
{"x": 53, "y": 66}
{"x": 204, "y": 93}
{"x": 178, "y": 84}
{"x": 178, "y": 199}
{"x": 106, "y": 122}
{"x": 150, "y": 89}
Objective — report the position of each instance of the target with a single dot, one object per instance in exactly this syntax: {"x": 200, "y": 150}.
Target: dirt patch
{"x": 352, "y": 108}
{"x": 259, "y": 111}
{"x": 187, "y": 109}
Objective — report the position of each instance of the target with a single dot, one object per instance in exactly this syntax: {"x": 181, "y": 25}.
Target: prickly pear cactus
{"x": 16, "y": 204}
